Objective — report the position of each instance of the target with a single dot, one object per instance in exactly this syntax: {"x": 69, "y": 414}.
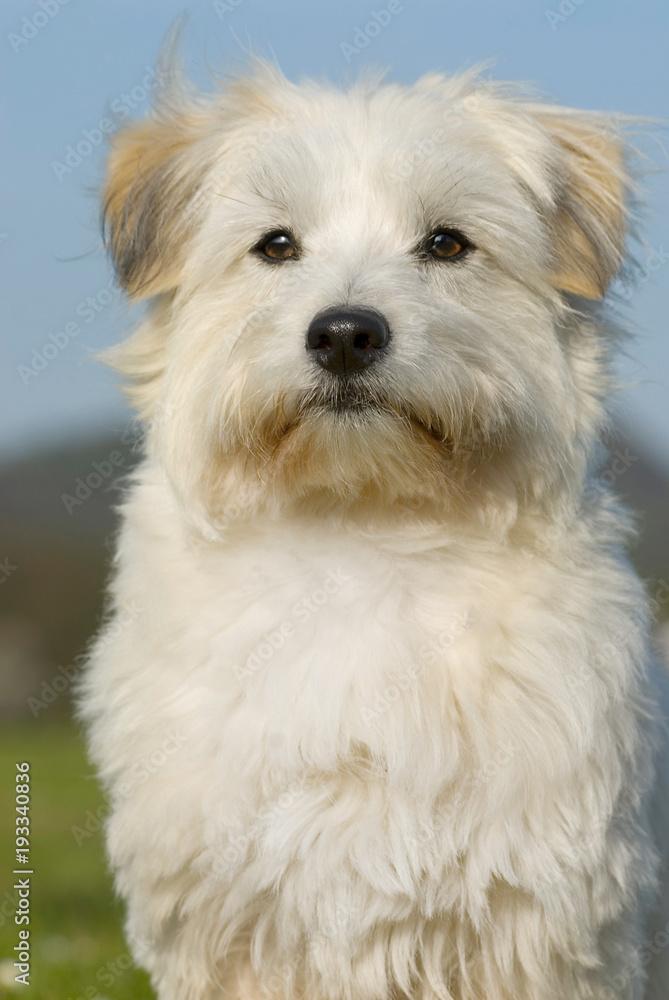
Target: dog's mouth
{"x": 356, "y": 439}
{"x": 354, "y": 401}
{"x": 349, "y": 397}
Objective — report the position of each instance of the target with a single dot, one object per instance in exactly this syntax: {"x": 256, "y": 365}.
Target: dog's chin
{"x": 354, "y": 404}
{"x": 355, "y": 445}
{"x": 359, "y": 417}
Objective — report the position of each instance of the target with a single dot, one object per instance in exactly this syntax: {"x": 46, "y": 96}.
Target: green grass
{"x": 75, "y": 922}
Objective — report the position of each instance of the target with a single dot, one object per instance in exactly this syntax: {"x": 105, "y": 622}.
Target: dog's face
{"x": 367, "y": 295}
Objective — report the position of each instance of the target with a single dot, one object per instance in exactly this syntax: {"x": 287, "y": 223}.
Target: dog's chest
{"x": 348, "y": 683}
{"x": 323, "y": 645}
{"x": 367, "y": 714}
{"x": 332, "y": 669}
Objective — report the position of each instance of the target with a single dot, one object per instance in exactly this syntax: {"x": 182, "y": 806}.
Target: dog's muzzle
{"x": 346, "y": 340}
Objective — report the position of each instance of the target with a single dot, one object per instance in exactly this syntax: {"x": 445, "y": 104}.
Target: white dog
{"x": 384, "y": 726}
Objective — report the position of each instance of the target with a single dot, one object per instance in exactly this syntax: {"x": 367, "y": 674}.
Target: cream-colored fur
{"x": 384, "y": 725}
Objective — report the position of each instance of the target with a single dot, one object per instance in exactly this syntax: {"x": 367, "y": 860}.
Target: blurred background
{"x": 72, "y": 72}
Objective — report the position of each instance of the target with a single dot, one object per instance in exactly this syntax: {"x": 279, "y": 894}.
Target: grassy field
{"x": 76, "y": 943}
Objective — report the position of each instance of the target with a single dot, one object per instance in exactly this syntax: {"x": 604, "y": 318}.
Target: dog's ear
{"x": 153, "y": 199}
{"x": 589, "y": 219}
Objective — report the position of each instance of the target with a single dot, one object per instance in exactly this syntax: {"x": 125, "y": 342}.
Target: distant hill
{"x": 56, "y": 533}
{"x": 57, "y": 560}
{"x": 644, "y": 486}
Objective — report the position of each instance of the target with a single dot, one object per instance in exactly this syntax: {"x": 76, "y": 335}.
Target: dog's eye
{"x": 446, "y": 244}
{"x": 277, "y": 246}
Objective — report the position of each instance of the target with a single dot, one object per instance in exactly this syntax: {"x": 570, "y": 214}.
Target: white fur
{"x": 383, "y": 723}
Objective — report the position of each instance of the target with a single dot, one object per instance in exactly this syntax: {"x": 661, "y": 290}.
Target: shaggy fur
{"x": 383, "y": 725}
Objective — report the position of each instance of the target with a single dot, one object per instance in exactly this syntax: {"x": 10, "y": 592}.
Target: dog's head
{"x": 384, "y": 294}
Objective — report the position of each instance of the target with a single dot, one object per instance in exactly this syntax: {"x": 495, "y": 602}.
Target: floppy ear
{"x": 156, "y": 170}
{"x": 589, "y": 219}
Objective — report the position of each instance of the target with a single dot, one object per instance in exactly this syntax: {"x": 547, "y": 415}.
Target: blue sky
{"x": 67, "y": 66}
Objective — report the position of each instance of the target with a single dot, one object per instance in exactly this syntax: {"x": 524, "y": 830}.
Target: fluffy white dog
{"x": 384, "y": 726}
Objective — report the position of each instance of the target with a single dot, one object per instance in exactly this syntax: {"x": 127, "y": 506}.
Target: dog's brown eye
{"x": 446, "y": 244}
{"x": 277, "y": 246}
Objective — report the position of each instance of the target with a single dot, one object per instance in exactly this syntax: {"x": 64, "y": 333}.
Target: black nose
{"x": 347, "y": 339}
